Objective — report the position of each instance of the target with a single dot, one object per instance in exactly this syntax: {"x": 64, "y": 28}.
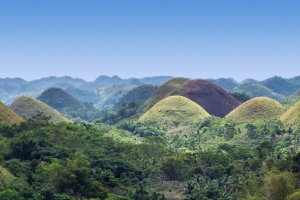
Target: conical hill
{"x": 259, "y": 108}
{"x": 29, "y": 107}
{"x": 58, "y": 98}
{"x": 292, "y": 116}
{"x": 174, "y": 111}
{"x": 170, "y": 88}
{"x": 8, "y": 116}
{"x": 211, "y": 97}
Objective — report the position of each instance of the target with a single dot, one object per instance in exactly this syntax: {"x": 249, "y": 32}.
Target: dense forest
{"x": 157, "y": 143}
{"x": 212, "y": 159}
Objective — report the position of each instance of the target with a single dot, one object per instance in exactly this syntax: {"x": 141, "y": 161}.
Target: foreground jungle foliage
{"x": 212, "y": 159}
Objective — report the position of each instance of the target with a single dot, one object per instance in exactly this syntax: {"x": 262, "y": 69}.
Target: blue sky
{"x": 138, "y": 38}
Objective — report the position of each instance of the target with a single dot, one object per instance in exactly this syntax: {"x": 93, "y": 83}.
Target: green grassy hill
{"x": 58, "y": 98}
{"x": 170, "y": 88}
{"x": 67, "y": 105}
{"x": 259, "y": 108}
{"x": 175, "y": 111}
{"x": 292, "y": 116}
{"x": 29, "y": 107}
{"x": 141, "y": 93}
{"x": 256, "y": 90}
{"x": 8, "y": 116}
{"x": 292, "y": 100}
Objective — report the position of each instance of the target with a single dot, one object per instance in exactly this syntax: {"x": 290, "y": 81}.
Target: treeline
{"x": 213, "y": 159}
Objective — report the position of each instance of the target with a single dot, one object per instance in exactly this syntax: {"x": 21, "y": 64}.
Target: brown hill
{"x": 29, "y": 107}
{"x": 214, "y": 99}
{"x": 8, "y": 116}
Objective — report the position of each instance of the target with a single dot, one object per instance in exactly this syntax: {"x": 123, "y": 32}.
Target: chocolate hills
{"x": 68, "y": 105}
{"x": 58, "y": 98}
{"x": 170, "y": 88}
{"x": 211, "y": 97}
{"x": 175, "y": 111}
{"x": 29, "y": 107}
{"x": 292, "y": 116}
{"x": 259, "y": 108}
{"x": 8, "y": 116}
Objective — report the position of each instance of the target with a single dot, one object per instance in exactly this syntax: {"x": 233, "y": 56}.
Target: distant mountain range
{"x": 105, "y": 91}
{"x": 77, "y": 82}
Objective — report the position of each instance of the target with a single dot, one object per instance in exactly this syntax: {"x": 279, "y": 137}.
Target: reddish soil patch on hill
{"x": 214, "y": 99}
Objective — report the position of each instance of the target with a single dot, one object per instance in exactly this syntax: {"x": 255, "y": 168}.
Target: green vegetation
{"x": 241, "y": 97}
{"x": 28, "y": 107}
{"x": 110, "y": 95}
{"x": 8, "y": 116}
{"x": 280, "y": 85}
{"x": 170, "y": 88}
{"x": 175, "y": 111}
{"x": 141, "y": 93}
{"x": 292, "y": 100}
{"x": 58, "y": 98}
{"x": 256, "y": 90}
{"x": 292, "y": 116}
{"x": 259, "y": 108}
{"x": 175, "y": 151}
{"x": 226, "y": 83}
{"x": 68, "y": 105}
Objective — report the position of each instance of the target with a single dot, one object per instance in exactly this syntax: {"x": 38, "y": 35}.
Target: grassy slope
{"x": 170, "y": 88}
{"x": 110, "y": 95}
{"x": 4, "y": 174}
{"x": 292, "y": 116}
{"x": 260, "y": 108}
{"x": 58, "y": 98}
{"x": 28, "y": 107}
{"x": 292, "y": 100}
{"x": 8, "y": 116}
{"x": 141, "y": 93}
{"x": 175, "y": 110}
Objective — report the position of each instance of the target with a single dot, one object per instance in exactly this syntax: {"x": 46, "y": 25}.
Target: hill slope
{"x": 58, "y": 98}
{"x": 226, "y": 83}
{"x": 280, "y": 85}
{"x": 141, "y": 93}
{"x": 292, "y": 100}
{"x": 256, "y": 90}
{"x": 68, "y": 105}
{"x": 292, "y": 116}
{"x": 175, "y": 110}
{"x": 170, "y": 88}
{"x": 29, "y": 107}
{"x": 8, "y": 116}
{"x": 214, "y": 99}
{"x": 259, "y": 108}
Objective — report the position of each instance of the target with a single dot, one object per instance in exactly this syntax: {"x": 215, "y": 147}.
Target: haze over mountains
{"x": 104, "y": 92}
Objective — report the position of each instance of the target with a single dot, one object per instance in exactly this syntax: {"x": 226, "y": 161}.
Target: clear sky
{"x": 137, "y": 38}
